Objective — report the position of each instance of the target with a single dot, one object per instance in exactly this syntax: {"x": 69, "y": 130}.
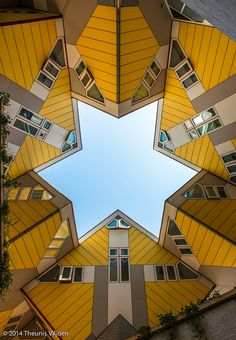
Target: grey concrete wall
{"x": 219, "y": 323}
{"x": 220, "y": 13}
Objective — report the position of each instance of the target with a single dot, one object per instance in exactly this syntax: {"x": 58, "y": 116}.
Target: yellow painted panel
{"x": 138, "y": 45}
{"x": 58, "y": 105}
{"x": 88, "y": 52}
{"x": 230, "y": 258}
{"x": 130, "y": 13}
{"x": 93, "y": 251}
{"x": 98, "y": 45}
{"x": 163, "y": 297}
{"x": 107, "y": 25}
{"x": 129, "y": 37}
{"x": 144, "y": 250}
{"x": 27, "y": 157}
{"x": 4, "y": 316}
{"x": 133, "y": 25}
{"x": 16, "y": 260}
{"x": 58, "y": 308}
{"x": 211, "y": 53}
{"x": 105, "y": 12}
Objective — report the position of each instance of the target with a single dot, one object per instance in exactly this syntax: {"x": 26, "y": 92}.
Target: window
{"x": 186, "y": 273}
{"x": 8, "y": 160}
{"x": 190, "y": 80}
{"x": 211, "y": 192}
{"x": 63, "y": 231}
{"x": 177, "y": 54}
{"x": 173, "y": 230}
{"x": 70, "y": 142}
{"x": 87, "y": 78}
{"x": 24, "y": 193}
{"x": 47, "y": 125}
{"x": 25, "y": 127}
{"x": 186, "y": 251}
{"x": 39, "y": 193}
{"x": 195, "y": 192}
{"x": 204, "y": 116}
{"x": 77, "y": 275}
{"x": 58, "y": 240}
{"x": 51, "y": 69}
{"x": 80, "y": 68}
{"x": 12, "y": 323}
{"x": 52, "y": 275}
{"x": 184, "y": 69}
{"x": 222, "y": 192}
{"x": 94, "y": 93}
{"x": 160, "y": 274}
{"x": 204, "y": 129}
{"x": 141, "y": 93}
{"x": 118, "y": 223}
{"x": 118, "y": 264}
{"x": 149, "y": 79}
{"x": 180, "y": 242}
{"x": 66, "y": 274}
{"x": 230, "y": 157}
{"x": 180, "y": 11}
{"x": 58, "y": 54}
{"x": 232, "y": 179}
{"x": 170, "y": 269}
{"x": 36, "y": 119}
{"x": 188, "y": 124}
{"x": 165, "y": 143}
{"x": 44, "y": 79}
{"x": 155, "y": 68}
{"x": 230, "y": 160}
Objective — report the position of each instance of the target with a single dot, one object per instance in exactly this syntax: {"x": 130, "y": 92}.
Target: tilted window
{"x": 173, "y": 229}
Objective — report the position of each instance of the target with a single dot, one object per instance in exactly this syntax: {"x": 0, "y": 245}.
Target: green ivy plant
{"x": 144, "y": 332}
{"x": 6, "y": 275}
{"x": 169, "y": 320}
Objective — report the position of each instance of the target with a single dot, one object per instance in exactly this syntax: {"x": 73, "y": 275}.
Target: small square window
{"x": 113, "y": 252}
{"x": 188, "y": 124}
{"x": 183, "y": 70}
{"x": 124, "y": 252}
{"x": 185, "y": 251}
{"x": 180, "y": 242}
{"x": 66, "y": 274}
{"x": 230, "y": 157}
{"x": 160, "y": 274}
{"x": 149, "y": 79}
{"x": 222, "y": 192}
{"x": 155, "y": 68}
{"x": 47, "y": 125}
{"x": 193, "y": 134}
{"x": 77, "y": 277}
{"x": 80, "y": 68}
{"x": 51, "y": 69}
{"x": 171, "y": 272}
{"x": 190, "y": 80}
{"x": 211, "y": 192}
{"x": 45, "y": 80}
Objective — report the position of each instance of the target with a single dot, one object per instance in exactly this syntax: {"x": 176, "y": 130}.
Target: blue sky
{"x": 117, "y": 169}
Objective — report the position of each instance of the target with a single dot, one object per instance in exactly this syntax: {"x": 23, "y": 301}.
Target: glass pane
{"x": 192, "y": 15}
{"x": 56, "y": 243}
{"x": 45, "y": 80}
{"x": 113, "y": 252}
{"x": 171, "y": 272}
{"x": 149, "y": 79}
{"x": 180, "y": 242}
{"x": 163, "y": 137}
{"x": 229, "y": 158}
{"x": 190, "y": 80}
{"x": 24, "y": 193}
{"x": 193, "y": 134}
{"x": 183, "y": 70}
{"x": 71, "y": 138}
{"x": 124, "y": 224}
{"x": 78, "y": 275}
{"x": 12, "y": 193}
{"x": 95, "y": 93}
{"x": 25, "y": 127}
{"x": 52, "y": 69}
{"x": 169, "y": 146}
{"x": 124, "y": 269}
{"x": 155, "y": 69}
{"x": 178, "y": 15}
{"x": 233, "y": 179}
{"x": 66, "y": 271}
{"x": 30, "y": 116}
{"x": 80, "y": 68}
{"x": 51, "y": 276}
{"x": 199, "y": 119}
{"x": 113, "y": 269}
{"x": 47, "y": 125}
{"x": 173, "y": 230}
{"x": 160, "y": 273}
{"x": 124, "y": 252}
{"x": 186, "y": 251}
{"x": 231, "y": 168}
{"x": 112, "y": 224}
{"x": 14, "y": 319}
{"x": 63, "y": 231}
{"x": 210, "y": 191}
{"x": 40, "y": 194}
{"x": 195, "y": 192}
{"x": 140, "y": 94}
{"x": 177, "y": 4}
{"x": 58, "y": 54}
{"x": 209, "y": 127}
{"x": 222, "y": 192}
{"x": 186, "y": 273}
{"x": 66, "y": 147}
{"x": 85, "y": 80}
{"x": 177, "y": 54}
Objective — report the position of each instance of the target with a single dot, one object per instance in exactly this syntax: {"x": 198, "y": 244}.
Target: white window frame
{"x": 147, "y": 88}
{"x": 43, "y": 273}
{"x": 185, "y": 247}
{"x": 88, "y": 88}
{"x": 64, "y": 52}
{"x": 222, "y": 186}
{"x": 213, "y": 188}
{"x": 186, "y": 61}
{"x": 182, "y": 61}
{"x": 186, "y": 77}
{"x": 177, "y": 270}
{"x": 181, "y": 12}
{"x": 120, "y": 265}
{"x": 180, "y": 238}
{"x": 47, "y": 75}
{"x": 117, "y": 269}
{"x": 61, "y": 279}
{"x": 54, "y": 65}
{"x": 118, "y": 258}
{"x": 152, "y": 72}
{"x": 170, "y": 265}
{"x": 117, "y": 252}
{"x": 164, "y": 272}
{"x": 82, "y": 275}
{"x": 91, "y": 80}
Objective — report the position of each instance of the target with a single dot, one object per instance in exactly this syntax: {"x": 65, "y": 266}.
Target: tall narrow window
{"x": 177, "y": 54}
{"x": 124, "y": 263}
{"x": 119, "y": 265}
{"x": 57, "y": 54}
{"x": 173, "y": 230}
{"x": 171, "y": 272}
{"x": 160, "y": 274}
{"x": 113, "y": 270}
